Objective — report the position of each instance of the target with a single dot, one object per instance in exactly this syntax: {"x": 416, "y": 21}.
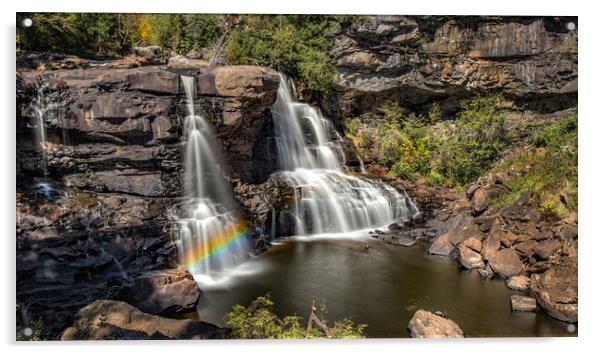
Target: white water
{"x": 203, "y": 234}
{"x": 327, "y": 200}
{"x": 43, "y": 107}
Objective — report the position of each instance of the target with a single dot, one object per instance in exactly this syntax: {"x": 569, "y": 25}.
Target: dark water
{"x": 380, "y": 285}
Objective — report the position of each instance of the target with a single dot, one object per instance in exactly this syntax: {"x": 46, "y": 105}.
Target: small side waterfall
{"x": 42, "y": 108}
{"x": 327, "y": 200}
{"x": 209, "y": 237}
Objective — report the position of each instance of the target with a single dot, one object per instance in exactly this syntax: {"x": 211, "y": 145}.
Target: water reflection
{"x": 379, "y": 285}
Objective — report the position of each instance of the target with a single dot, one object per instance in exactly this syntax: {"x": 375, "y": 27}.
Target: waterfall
{"x": 210, "y": 239}
{"x": 328, "y": 200}
{"x": 42, "y": 108}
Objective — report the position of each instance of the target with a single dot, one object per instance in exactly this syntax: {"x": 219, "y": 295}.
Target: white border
{"x": 589, "y": 135}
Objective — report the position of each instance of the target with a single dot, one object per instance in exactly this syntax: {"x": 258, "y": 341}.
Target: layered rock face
{"x": 418, "y": 60}
{"x": 93, "y": 209}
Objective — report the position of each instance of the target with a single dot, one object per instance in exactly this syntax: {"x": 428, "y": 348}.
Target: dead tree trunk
{"x": 315, "y": 319}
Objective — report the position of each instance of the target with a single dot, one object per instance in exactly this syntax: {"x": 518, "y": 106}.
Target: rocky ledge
{"x": 108, "y": 319}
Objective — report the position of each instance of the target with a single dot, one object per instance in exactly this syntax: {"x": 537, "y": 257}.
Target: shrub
{"x": 258, "y": 321}
{"x": 548, "y": 170}
{"x": 404, "y": 171}
{"x": 550, "y": 210}
{"x": 475, "y": 141}
{"x": 298, "y": 45}
{"x": 453, "y": 153}
{"x": 435, "y": 113}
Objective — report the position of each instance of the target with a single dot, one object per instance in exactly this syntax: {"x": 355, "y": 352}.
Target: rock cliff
{"x": 92, "y": 210}
{"x": 418, "y": 60}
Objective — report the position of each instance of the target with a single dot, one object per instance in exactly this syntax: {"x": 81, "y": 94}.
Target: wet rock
{"x": 425, "y": 324}
{"x": 506, "y": 263}
{"x": 486, "y": 272}
{"x": 523, "y": 303}
{"x": 556, "y": 290}
{"x": 546, "y": 248}
{"x": 109, "y": 319}
{"x": 518, "y": 282}
{"x": 164, "y": 292}
{"x": 399, "y": 240}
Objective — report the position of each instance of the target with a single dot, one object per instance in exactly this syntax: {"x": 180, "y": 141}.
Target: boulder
{"x": 525, "y": 249}
{"x": 546, "y": 248}
{"x": 469, "y": 258}
{"x": 479, "y": 201}
{"x": 446, "y": 243}
{"x": 518, "y": 282}
{"x": 425, "y": 324}
{"x": 506, "y": 263}
{"x": 164, "y": 292}
{"x": 523, "y": 303}
{"x": 109, "y": 319}
{"x": 149, "y": 55}
{"x": 492, "y": 242}
{"x": 556, "y": 290}
{"x": 485, "y": 222}
{"x": 474, "y": 244}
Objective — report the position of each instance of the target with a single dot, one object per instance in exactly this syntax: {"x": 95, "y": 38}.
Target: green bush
{"x": 548, "y": 170}
{"x": 453, "y": 153}
{"x": 474, "y": 142}
{"x": 258, "y": 321}
{"x": 178, "y": 32}
{"x": 298, "y": 45}
{"x": 556, "y": 133}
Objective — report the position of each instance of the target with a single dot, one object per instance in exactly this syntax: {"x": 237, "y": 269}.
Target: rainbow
{"x": 219, "y": 244}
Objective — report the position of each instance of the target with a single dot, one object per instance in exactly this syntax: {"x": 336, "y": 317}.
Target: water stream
{"x": 43, "y": 108}
{"x": 328, "y": 199}
{"x": 210, "y": 238}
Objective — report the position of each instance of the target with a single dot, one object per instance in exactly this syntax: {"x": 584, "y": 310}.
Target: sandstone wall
{"x": 417, "y": 60}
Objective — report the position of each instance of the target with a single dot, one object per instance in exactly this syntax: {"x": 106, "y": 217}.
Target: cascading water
{"x": 327, "y": 200}
{"x": 43, "y": 107}
{"x": 210, "y": 238}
